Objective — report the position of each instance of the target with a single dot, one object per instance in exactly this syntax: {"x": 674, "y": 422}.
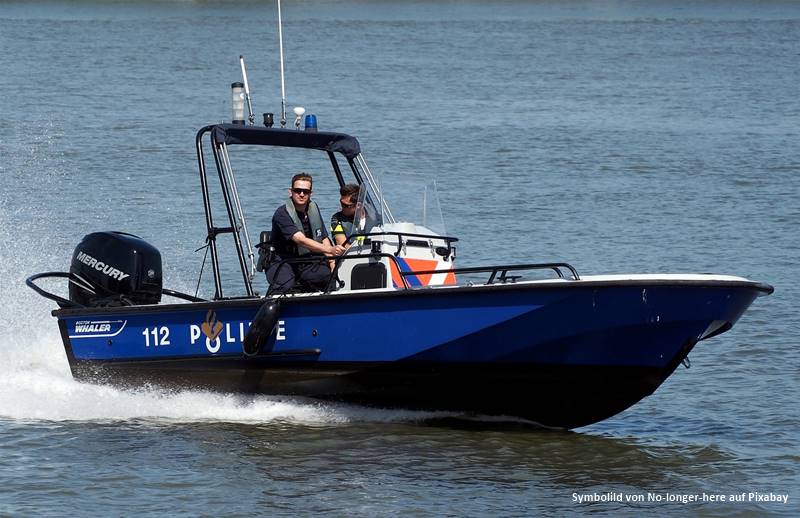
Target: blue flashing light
{"x": 311, "y": 122}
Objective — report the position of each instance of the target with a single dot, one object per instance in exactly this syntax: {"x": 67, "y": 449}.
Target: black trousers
{"x": 298, "y": 277}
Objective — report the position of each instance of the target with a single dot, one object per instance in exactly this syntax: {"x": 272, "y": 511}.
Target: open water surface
{"x": 620, "y": 136}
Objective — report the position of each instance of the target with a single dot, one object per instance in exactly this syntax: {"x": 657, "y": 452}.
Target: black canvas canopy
{"x": 258, "y": 136}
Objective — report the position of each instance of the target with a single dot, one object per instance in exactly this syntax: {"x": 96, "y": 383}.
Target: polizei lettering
{"x": 100, "y": 266}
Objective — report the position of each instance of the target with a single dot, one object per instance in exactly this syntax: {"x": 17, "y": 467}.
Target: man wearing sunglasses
{"x": 298, "y": 231}
{"x": 342, "y": 221}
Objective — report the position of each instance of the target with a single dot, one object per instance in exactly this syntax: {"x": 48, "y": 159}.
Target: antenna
{"x": 252, "y": 116}
{"x": 283, "y": 85}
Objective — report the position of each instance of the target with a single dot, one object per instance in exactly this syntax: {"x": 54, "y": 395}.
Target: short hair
{"x": 350, "y": 189}
{"x": 302, "y": 176}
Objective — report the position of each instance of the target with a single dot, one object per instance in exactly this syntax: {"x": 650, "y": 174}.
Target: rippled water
{"x": 617, "y": 136}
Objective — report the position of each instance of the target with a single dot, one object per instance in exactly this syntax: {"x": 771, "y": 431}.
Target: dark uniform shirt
{"x": 283, "y": 228}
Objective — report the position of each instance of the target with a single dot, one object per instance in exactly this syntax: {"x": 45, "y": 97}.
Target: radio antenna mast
{"x": 283, "y": 85}
{"x": 252, "y": 116}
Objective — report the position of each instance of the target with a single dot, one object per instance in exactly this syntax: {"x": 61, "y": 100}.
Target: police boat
{"x": 398, "y": 325}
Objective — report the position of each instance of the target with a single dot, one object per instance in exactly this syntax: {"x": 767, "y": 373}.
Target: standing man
{"x": 298, "y": 231}
{"x": 342, "y": 221}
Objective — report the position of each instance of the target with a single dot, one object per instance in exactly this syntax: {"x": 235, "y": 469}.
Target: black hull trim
{"x": 551, "y": 395}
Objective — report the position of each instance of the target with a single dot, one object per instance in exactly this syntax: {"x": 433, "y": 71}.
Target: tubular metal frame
{"x": 234, "y": 229}
{"x": 233, "y": 207}
{"x": 241, "y": 223}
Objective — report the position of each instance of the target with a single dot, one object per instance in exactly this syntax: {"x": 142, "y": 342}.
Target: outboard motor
{"x": 119, "y": 269}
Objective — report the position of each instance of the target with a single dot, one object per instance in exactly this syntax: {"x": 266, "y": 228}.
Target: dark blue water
{"x": 619, "y": 136}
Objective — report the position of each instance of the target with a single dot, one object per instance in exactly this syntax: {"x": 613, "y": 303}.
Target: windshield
{"x": 409, "y": 197}
{"x": 368, "y": 214}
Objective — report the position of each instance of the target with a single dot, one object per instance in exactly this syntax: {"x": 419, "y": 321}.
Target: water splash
{"x": 36, "y": 384}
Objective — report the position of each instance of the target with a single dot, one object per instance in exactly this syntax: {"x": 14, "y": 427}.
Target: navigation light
{"x": 237, "y": 102}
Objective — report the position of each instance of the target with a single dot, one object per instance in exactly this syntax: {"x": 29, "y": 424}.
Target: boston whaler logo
{"x": 98, "y": 328}
{"x": 107, "y": 269}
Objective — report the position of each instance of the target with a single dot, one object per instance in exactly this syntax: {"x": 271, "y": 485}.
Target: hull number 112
{"x": 157, "y": 336}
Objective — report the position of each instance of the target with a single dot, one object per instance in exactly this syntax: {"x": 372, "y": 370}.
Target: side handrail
{"x": 181, "y": 295}
{"x": 498, "y": 273}
{"x": 503, "y": 270}
{"x": 74, "y": 279}
{"x": 400, "y": 235}
{"x": 61, "y": 301}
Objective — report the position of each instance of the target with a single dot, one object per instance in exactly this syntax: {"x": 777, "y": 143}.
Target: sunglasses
{"x": 298, "y": 190}
{"x": 347, "y": 205}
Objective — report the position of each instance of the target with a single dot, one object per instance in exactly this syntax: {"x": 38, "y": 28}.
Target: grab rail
{"x": 400, "y": 235}
{"x": 503, "y": 270}
{"x": 61, "y": 301}
{"x": 499, "y": 273}
{"x": 74, "y": 279}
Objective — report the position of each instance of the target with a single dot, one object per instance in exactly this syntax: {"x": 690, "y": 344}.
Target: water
{"x": 619, "y": 136}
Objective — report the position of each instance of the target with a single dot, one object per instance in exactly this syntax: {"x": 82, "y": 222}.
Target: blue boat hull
{"x": 563, "y": 355}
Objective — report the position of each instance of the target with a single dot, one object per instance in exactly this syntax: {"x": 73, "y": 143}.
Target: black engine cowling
{"x": 121, "y": 269}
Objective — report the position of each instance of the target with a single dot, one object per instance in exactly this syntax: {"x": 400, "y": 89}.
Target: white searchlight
{"x": 298, "y": 116}
{"x": 237, "y": 103}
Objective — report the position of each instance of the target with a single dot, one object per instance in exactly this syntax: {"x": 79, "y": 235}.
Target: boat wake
{"x": 37, "y": 385}
{"x": 36, "y": 390}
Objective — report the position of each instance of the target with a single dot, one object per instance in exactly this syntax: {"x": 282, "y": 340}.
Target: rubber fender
{"x": 260, "y": 330}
